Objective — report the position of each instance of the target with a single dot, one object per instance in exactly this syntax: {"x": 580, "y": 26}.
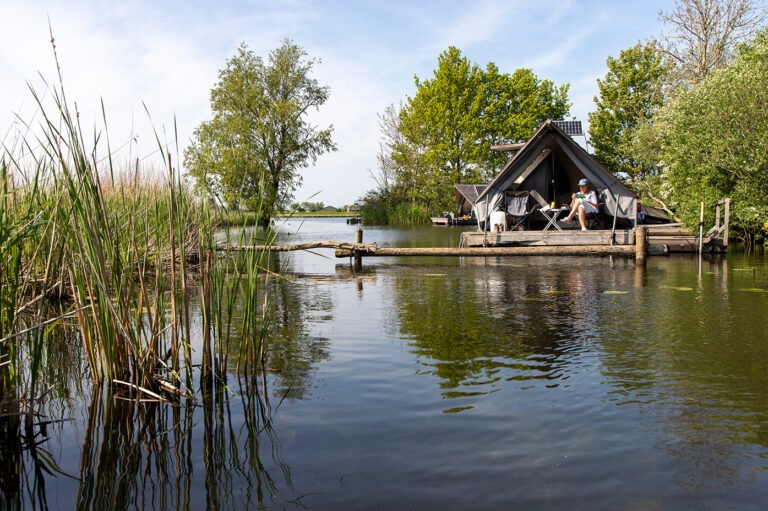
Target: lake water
{"x": 448, "y": 383}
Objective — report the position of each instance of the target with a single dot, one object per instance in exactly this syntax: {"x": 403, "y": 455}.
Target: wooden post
{"x": 358, "y": 257}
{"x": 726, "y": 221}
{"x": 701, "y": 229}
{"x": 641, "y": 243}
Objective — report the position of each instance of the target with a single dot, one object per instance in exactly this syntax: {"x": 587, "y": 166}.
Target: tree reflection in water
{"x": 505, "y": 323}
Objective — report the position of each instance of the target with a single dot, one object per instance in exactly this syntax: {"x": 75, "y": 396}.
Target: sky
{"x": 152, "y": 63}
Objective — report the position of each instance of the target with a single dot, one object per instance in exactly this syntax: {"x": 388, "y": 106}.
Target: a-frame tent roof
{"x": 466, "y": 196}
{"x": 470, "y": 193}
{"x": 551, "y": 163}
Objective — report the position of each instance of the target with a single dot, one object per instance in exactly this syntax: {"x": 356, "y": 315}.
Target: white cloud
{"x": 167, "y": 55}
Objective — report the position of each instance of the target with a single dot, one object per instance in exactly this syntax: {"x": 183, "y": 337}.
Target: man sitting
{"x": 583, "y": 202}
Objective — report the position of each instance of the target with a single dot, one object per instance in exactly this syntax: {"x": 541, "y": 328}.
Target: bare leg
{"x": 582, "y": 217}
{"x": 575, "y": 203}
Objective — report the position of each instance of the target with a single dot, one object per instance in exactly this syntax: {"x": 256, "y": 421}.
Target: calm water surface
{"x": 447, "y": 383}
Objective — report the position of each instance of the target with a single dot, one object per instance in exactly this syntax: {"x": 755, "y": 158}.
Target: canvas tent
{"x": 551, "y": 163}
{"x": 466, "y": 198}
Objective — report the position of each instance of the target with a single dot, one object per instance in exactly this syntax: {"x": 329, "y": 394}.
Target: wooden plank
{"x": 657, "y": 230}
{"x": 677, "y": 243}
{"x": 546, "y": 238}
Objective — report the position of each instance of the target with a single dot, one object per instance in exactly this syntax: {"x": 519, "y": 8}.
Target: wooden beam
{"x": 625, "y": 250}
{"x": 360, "y": 247}
{"x": 503, "y": 148}
{"x": 530, "y": 168}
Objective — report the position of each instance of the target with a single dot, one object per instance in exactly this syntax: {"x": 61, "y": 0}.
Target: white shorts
{"x": 587, "y": 207}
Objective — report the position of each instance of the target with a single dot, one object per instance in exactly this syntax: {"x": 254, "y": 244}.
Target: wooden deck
{"x": 664, "y": 238}
{"x": 444, "y": 220}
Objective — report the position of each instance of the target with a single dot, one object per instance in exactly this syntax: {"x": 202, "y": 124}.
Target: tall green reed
{"x": 123, "y": 253}
{"x": 394, "y": 213}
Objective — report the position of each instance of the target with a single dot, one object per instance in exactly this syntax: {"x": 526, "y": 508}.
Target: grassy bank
{"x": 320, "y": 214}
{"x": 249, "y": 218}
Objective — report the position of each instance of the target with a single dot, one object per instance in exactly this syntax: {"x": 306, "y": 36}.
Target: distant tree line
{"x": 307, "y": 206}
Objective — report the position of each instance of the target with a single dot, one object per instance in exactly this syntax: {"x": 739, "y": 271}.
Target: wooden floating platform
{"x": 635, "y": 243}
{"x": 372, "y": 250}
{"x": 445, "y": 220}
{"x": 672, "y": 238}
{"x": 546, "y": 238}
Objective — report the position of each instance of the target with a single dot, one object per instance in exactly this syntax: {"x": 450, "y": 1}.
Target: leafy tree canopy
{"x": 630, "y": 95}
{"x": 715, "y": 140}
{"x": 447, "y": 128}
{"x": 250, "y": 152}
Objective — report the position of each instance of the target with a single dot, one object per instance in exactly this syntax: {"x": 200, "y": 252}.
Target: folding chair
{"x": 518, "y": 210}
{"x": 596, "y": 219}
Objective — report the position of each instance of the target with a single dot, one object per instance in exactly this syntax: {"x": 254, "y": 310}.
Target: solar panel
{"x": 570, "y": 128}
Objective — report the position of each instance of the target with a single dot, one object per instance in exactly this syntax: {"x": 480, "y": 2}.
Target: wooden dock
{"x": 662, "y": 238}
{"x": 638, "y": 243}
{"x": 447, "y": 220}
{"x": 638, "y": 249}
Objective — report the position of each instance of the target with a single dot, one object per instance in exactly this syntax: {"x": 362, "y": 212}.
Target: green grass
{"x": 320, "y": 214}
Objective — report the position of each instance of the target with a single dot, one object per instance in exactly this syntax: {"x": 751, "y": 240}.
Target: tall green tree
{"x": 630, "y": 95}
{"x": 250, "y": 152}
{"x": 454, "y": 118}
{"x": 715, "y": 140}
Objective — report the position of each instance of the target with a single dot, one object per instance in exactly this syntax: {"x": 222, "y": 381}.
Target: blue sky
{"x": 166, "y": 55}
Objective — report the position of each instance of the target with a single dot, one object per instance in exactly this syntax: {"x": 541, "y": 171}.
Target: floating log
{"x": 627, "y": 250}
{"x": 373, "y": 250}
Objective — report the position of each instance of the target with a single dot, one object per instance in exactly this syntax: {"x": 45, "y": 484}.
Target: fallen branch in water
{"x": 360, "y": 247}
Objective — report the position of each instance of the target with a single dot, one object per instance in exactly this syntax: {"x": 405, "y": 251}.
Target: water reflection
{"x": 444, "y": 383}
{"x": 490, "y": 320}
{"x": 144, "y": 455}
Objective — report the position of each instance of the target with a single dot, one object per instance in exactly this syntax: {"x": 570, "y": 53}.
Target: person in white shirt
{"x": 582, "y": 202}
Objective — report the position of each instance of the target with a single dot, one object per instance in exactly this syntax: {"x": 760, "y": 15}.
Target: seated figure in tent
{"x": 583, "y": 203}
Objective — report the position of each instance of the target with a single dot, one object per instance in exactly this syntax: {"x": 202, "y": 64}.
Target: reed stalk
{"x": 121, "y": 253}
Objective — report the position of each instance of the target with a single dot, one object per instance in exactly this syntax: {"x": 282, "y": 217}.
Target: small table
{"x": 551, "y": 215}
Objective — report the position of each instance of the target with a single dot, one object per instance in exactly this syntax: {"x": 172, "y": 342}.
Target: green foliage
{"x": 259, "y": 138}
{"x": 383, "y": 209}
{"x": 454, "y": 118}
{"x": 307, "y": 206}
{"x": 630, "y": 95}
{"x": 715, "y": 140}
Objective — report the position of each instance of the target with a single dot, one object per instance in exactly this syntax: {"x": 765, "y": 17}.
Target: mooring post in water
{"x": 641, "y": 244}
{"x": 358, "y": 257}
{"x": 701, "y": 230}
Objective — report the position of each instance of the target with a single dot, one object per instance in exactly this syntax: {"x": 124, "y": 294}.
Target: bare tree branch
{"x": 704, "y": 33}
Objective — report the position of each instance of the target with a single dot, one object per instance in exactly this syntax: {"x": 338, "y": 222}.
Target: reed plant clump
{"x": 123, "y": 253}
{"x": 395, "y": 213}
